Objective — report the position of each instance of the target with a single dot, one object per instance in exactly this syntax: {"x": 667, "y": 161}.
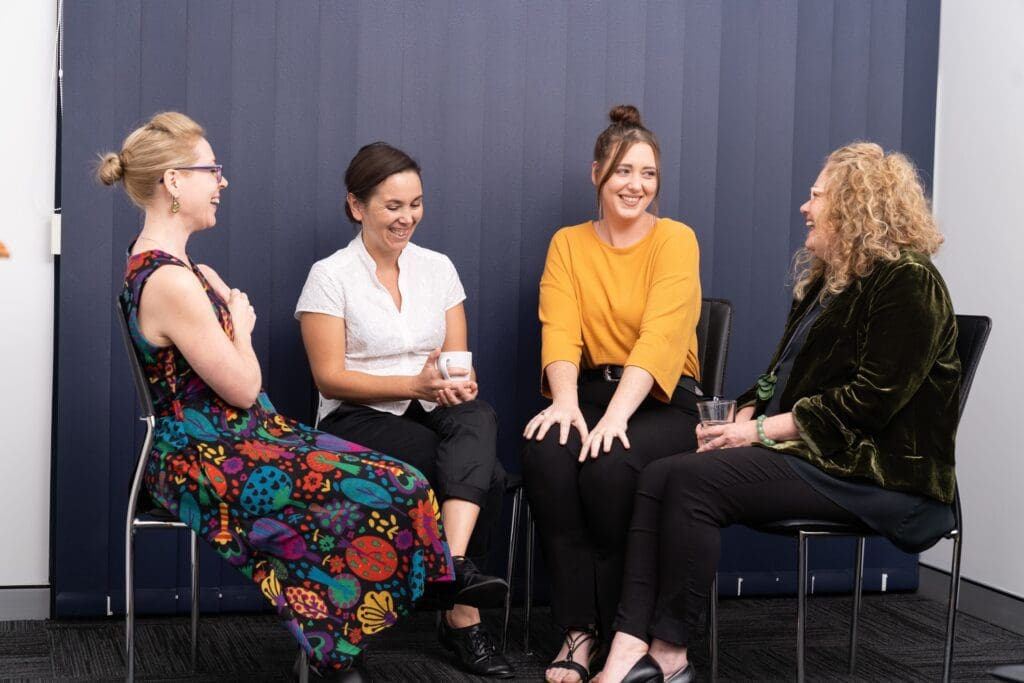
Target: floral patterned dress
{"x": 339, "y": 538}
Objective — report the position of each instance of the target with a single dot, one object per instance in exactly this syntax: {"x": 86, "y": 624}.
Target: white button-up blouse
{"x": 380, "y": 338}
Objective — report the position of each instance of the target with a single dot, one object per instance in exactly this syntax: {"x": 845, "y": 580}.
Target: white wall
{"x": 27, "y": 138}
{"x": 979, "y": 201}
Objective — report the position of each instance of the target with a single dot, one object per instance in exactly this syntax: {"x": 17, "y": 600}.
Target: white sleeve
{"x": 454, "y": 292}
{"x": 324, "y": 292}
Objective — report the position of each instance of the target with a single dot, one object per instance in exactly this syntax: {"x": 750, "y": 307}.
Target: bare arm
{"x": 175, "y": 309}
{"x": 324, "y": 338}
{"x": 456, "y": 339}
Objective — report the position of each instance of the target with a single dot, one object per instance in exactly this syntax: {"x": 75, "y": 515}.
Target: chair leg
{"x": 713, "y": 628}
{"x": 858, "y": 589}
{"x": 529, "y": 580}
{"x": 513, "y": 539}
{"x": 954, "y": 598}
{"x": 801, "y": 606}
{"x": 194, "y": 560}
{"x": 129, "y": 603}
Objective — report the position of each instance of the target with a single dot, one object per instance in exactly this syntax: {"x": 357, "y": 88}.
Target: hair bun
{"x": 110, "y": 169}
{"x": 625, "y": 115}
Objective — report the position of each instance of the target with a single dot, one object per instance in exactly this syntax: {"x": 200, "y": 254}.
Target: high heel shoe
{"x": 646, "y": 670}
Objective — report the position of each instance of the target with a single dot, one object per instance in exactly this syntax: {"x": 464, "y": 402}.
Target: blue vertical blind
{"x": 500, "y": 103}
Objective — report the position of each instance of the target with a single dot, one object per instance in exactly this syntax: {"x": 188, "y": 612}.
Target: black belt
{"x": 613, "y": 373}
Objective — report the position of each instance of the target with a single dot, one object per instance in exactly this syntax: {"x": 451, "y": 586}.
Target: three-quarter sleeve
{"x": 670, "y": 316}
{"x": 559, "y": 310}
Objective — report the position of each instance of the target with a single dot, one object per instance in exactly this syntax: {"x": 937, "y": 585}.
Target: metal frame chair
{"x": 713, "y": 330}
{"x": 973, "y": 331}
{"x": 141, "y": 516}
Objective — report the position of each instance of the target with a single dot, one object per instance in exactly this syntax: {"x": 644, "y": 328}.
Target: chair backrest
{"x": 139, "y": 500}
{"x": 141, "y": 385}
{"x": 713, "y": 331}
{"x": 972, "y": 335}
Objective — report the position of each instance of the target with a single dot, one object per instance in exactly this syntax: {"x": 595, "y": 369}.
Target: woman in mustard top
{"x": 619, "y": 303}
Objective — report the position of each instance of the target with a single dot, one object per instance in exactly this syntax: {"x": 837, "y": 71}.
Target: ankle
{"x": 461, "y": 616}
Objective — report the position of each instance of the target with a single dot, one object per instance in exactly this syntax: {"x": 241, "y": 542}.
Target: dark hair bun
{"x": 625, "y": 115}
{"x": 110, "y": 168}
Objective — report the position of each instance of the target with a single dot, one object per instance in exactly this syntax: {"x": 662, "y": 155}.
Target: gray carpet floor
{"x": 900, "y": 640}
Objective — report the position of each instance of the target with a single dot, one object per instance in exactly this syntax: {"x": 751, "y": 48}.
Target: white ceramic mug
{"x": 455, "y": 365}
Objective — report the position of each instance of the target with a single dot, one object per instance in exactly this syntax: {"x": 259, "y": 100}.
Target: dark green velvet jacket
{"x": 875, "y": 389}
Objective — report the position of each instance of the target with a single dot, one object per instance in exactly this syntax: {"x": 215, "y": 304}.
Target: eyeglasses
{"x": 217, "y": 169}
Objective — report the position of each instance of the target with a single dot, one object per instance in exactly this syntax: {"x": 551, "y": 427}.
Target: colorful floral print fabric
{"x": 340, "y": 539}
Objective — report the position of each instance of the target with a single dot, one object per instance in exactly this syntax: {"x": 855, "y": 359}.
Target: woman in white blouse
{"x": 375, "y": 315}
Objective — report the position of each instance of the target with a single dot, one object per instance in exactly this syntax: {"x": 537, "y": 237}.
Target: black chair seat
{"x": 791, "y": 527}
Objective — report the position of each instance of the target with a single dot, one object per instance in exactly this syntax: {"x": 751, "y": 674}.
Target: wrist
{"x": 762, "y": 436}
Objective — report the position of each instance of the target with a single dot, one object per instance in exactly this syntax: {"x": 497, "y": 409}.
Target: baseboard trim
{"x": 24, "y": 602}
{"x": 991, "y": 605}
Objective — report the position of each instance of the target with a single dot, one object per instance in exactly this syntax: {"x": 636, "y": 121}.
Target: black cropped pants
{"x": 454, "y": 448}
{"x": 583, "y": 510}
{"x": 682, "y": 503}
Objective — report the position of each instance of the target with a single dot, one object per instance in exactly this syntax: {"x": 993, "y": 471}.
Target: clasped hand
{"x": 430, "y": 385}
{"x": 731, "y": 435}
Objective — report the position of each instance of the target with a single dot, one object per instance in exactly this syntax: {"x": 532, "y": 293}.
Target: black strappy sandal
{"x": 574, "y": 643}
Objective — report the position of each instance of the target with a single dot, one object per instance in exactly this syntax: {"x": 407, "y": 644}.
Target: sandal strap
{"x": 576, "y": 667}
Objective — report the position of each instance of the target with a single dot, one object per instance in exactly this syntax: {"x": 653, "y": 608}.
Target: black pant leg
{"x": 468, "y": 466}
{"x": 681, "y": 505}
{"x": 608, "y": 487}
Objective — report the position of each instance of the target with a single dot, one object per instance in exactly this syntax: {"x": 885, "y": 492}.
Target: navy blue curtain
{"x": 501, "y": 103}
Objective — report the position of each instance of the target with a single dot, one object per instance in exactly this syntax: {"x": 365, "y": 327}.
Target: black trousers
{"x": 681, "y": 505}
{"x": 454, "y": 448}
{"x": 582, "y": 511}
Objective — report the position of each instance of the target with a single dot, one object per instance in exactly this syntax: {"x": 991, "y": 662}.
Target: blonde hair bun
{"x": 110, "y": 169}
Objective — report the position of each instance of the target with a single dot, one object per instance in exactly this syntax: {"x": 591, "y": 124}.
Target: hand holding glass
{"x": 716, "y": 411}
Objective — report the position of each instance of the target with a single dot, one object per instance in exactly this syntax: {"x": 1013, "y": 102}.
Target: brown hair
{"x": 166, "y": 141}
{"x": 876, "y": 209}
{"x": 373, "y": 164}
{"x": 624, "y": 131}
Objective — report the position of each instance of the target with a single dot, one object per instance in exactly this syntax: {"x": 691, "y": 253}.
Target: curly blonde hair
{"x": 876, "y": 210}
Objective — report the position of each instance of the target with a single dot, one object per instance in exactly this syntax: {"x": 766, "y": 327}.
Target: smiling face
{"x": 631, "y": 187}
{"x": 391, "y": 214}
{"x": 198, "y": 191}
{"x": 815, "y": 211}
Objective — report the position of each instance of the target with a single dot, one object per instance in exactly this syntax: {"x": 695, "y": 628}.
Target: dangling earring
{"x": 175, "y": 206}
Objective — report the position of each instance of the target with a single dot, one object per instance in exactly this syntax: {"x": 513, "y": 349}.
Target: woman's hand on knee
{"x": 565, "y": 416}
{"x": 732, "y": 435}
{"x": 603, "y": 435}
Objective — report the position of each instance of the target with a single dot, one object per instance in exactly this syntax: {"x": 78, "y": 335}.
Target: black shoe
{"x": 474, "y": 648}
{"x": 646, "y": 670}
{"x": 470, "y": 588}
{"x": 685, "y": 675}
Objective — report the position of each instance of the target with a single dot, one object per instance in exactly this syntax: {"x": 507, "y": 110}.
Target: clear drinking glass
{"x": 716, "y": 411}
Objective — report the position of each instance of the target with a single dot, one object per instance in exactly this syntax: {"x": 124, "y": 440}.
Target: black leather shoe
{"x": 469, "y": 588}
{"x": 475, "y": 649}
{"x": 646, "y": 670}
{"x": 685, "y": 675}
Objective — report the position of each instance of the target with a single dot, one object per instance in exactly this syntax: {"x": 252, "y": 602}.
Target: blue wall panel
{"x": 500, "y": 103}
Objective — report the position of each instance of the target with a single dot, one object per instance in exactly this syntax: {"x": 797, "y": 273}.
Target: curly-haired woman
{"x": 854, "y": 419}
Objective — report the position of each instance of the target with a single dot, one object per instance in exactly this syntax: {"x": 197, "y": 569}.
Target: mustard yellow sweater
{"x": 637, "y": 305}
